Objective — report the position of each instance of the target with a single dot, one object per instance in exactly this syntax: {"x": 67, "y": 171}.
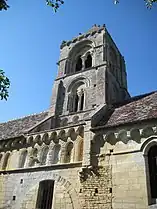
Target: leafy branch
{"x": 4, "y": 85}
{"x": 55, "y": 4}
{"x": 149, "y": 3}
{"x": 3, "y": 5}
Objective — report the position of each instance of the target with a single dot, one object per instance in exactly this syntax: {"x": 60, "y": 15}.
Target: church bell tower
{"x": 91, "y": 72}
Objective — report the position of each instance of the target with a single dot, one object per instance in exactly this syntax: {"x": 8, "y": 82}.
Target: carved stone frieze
{"x": 135, "y": 134}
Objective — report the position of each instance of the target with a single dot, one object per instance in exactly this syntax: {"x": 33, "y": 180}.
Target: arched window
{"x": 43, "y": 155}
{"x": 152, "y": 163}
{"x": 79, "y": 64}
{"x": 76, "y": 100}
{"x": 88, "y": 61}
{"x": 78, "y": 104}
{"x": 68, "y": 152}
{"x": 82, "y": 100}
{"x": 22, "y": 158}
{"x": 75, "y": 61}
{"x": 5, "y": 161}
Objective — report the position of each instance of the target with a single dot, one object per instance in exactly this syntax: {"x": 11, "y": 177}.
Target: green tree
{"x": 4, "y": 85}
{"x": 55, "y": 4}
{"x": 149, "y": 3}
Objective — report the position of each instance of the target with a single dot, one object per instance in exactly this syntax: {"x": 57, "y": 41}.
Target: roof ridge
{"x": 33, "y": 114}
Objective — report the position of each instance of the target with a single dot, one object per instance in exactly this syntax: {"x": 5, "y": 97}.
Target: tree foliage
{"x": 55, "y": 4}
{"x": 4, "y": 85}
{"x": 149, "y": 3}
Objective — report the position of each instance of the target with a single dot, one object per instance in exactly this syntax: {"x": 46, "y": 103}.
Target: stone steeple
{"x": 91, "y": 72}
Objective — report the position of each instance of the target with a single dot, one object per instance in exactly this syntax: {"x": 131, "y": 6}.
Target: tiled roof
{"x": 136, "y": 109}
{"x": 140, "y": 108}
{"x": 17, "y": 127}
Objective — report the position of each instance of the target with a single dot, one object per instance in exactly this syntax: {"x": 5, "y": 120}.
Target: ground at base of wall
{"x": 152, "y": 206}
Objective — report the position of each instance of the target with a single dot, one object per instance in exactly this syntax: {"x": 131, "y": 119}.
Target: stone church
{"x": 94, "y": 148}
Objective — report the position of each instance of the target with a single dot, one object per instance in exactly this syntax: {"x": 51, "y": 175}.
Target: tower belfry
{"x": 91, "y": 73}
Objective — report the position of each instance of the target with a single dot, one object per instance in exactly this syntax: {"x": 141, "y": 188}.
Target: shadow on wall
{"x": 96, "y": 144}
{"x": 60, "y": 99}
{"x": 6, "y": 205}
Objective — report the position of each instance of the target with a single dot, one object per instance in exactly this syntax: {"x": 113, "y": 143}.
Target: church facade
{"x": 94, "y": 148}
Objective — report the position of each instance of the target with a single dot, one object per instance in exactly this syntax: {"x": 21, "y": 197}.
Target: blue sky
{"x": 31, "y": 35}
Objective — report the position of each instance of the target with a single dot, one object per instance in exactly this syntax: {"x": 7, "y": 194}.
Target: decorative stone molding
{"x": 36, "y": 140}
{"x": 111, "y": 138}
{"x": 30, "y": 140}
{"x": 46, "y": 138}
{"x": 147, "y": 131}
{"x": 62, "y": 135}
{"x": 122, "y": 136}
{"x": 55, "y": 140}
{"x": 135, "y": 134}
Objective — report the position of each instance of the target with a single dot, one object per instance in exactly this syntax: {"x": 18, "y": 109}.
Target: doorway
{"x": 45, "y": 194}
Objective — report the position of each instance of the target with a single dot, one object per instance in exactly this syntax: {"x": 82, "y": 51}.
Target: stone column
{"x": 83, "y": 62}
{"x": 80, "y": 93}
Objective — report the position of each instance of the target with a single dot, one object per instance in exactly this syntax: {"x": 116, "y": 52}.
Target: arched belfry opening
{"x": 80, "y": 57}
{"x": 79, "y": 64}
{"x": 76, "y": 100}
{"x": 82, "y": 101}
{"x": 88, "y": 61}
{"x": 152, "y": 164}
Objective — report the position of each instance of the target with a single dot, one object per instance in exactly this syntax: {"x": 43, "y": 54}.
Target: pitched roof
{"x": 17, "y": 127}
{"x": 139, "y": 108}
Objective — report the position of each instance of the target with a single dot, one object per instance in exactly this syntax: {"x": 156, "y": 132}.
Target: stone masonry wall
{"x": 129, "y": 181}
{"x": 19, "y": 190}
{"x": 128, "y": 150}
{"x": 96, "y": 189}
